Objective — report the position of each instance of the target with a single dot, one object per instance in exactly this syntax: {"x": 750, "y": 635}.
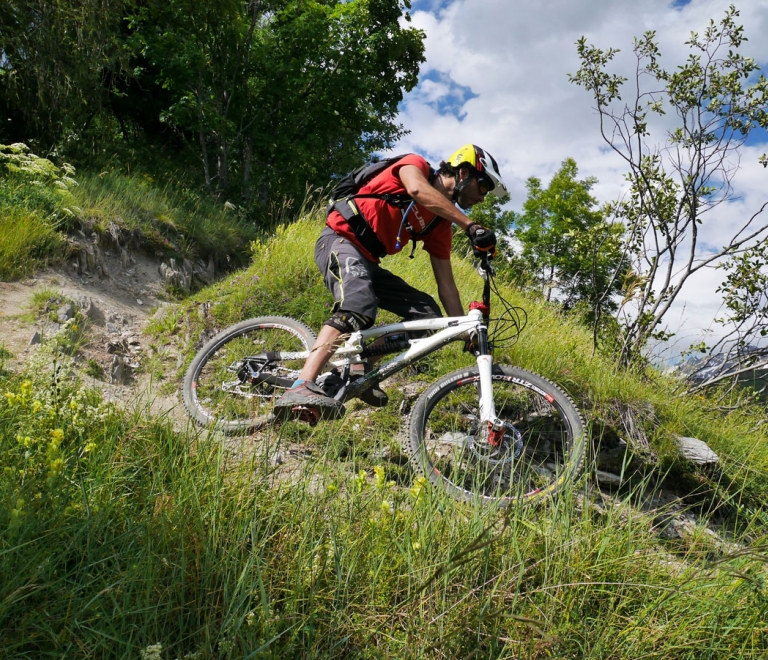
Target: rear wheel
{"x": 539, "y": 450}
{"x": 235, "y": 378}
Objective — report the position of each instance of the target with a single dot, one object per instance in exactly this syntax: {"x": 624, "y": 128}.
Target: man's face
{"x": 472, "y": 193}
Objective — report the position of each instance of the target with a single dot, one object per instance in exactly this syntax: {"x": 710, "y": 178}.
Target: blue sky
{"x": 497, "y": 75}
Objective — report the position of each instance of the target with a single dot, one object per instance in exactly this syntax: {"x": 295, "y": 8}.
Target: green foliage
{"x": 569, "y": 246}
{"x": 267, "y": 97}
{"x": 716, "y": 100}
{"x": 35, "y": 201}
{"x": 38, "y": 201}
{"x": 166, "y": 217}
{"x": 59, "y": 62}
{"x": 245, "y": 82}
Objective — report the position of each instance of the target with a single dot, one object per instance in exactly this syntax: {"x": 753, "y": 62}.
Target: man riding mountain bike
{"x": 407, "y": 201}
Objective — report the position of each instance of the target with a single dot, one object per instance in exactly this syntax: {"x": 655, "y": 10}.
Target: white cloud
{"x": 515, "y": 58}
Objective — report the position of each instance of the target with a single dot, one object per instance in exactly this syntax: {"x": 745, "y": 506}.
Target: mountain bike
{"x": 492, "y": 432}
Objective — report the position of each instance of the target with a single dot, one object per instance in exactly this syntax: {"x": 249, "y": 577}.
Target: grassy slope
{"x": 40, "y": 202}
{"x": 117, "y": 533}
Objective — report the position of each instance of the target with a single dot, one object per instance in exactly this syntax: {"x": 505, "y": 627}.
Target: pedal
{"x": 306, "y": 414}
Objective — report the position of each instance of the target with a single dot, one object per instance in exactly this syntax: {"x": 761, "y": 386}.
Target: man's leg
{"x": 325, "y": 346}
{"x": 347, "y": 275}
{"x": 397, "y": 296}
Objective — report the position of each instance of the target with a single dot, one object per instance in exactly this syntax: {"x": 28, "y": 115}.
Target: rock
{"x": 202, "y": 310}
{"x": 90, "y": 259}
{"x": 116, "y": 346}
{"x": 93, "y": 313}
{"x": 612, "y": 456}
{"x": 608, "y": 479}
{"x": 206, "y": 273}
{"x": 176, "y": 276}
{"x": 139, "y": 301}
{"x": 696, "y": 451}
{"x": 36, "y": 338}
{"x": 65, "y": 313}
{"x": 116, "y": 369}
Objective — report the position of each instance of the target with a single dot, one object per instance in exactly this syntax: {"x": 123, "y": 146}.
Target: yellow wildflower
{"x": 360, "y": 481}
{"x": 417, "y": 490}
{"x": 380, "y": 477}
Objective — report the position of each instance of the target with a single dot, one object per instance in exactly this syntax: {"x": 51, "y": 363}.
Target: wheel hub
{"x": 496, "y": 446}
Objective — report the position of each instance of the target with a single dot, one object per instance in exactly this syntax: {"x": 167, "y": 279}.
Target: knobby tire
{"x": 215, "y": 394}
{"x": 541, "y": 452}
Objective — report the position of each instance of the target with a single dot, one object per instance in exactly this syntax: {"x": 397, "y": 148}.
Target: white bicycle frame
{"x": 445, "y": 329}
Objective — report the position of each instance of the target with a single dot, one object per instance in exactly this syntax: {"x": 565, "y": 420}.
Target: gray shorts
{"x": 362, "y": 286}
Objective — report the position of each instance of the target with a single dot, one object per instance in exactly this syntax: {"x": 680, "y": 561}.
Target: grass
{"x": 167, "y": 218}
{"x": 27, "y": 242}
{"x": 124, "y": 534}
{"x": 122, "y": 537}
{"x": 41, "y": 202}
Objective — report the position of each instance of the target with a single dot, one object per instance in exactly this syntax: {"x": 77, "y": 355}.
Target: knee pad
{"x": 348, "y": 322}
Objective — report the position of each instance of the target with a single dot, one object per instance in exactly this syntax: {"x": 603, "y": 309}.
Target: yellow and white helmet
{"x": 484, "y": 164}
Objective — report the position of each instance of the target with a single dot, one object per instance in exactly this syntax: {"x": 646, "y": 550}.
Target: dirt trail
{"x": 118, "y": 294}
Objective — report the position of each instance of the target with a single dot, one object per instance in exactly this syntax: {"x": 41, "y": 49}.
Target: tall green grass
{"x": 164, "y": 216}
{"x": 40, "y": 203}
{"x": 118, "y": 534}
{"x": 27, "y": 241}
{"x": 35, "y": 202}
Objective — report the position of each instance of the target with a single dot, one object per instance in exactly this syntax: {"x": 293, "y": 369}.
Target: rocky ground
{"x": 118, "y": 292}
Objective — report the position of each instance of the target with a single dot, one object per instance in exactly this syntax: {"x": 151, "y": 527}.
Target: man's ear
{"x": 464, "y": 173}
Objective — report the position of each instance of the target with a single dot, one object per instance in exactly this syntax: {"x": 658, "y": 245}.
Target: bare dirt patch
{"x": 117, "y": 293}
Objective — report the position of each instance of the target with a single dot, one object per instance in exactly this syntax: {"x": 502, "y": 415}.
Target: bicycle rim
{"x": 219, "y": 387}
{"x": 541, "y": 448}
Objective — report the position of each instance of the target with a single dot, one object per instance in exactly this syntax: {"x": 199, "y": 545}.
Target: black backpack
{"x": 348, "y": 188}
{"x": 350, "y": 185}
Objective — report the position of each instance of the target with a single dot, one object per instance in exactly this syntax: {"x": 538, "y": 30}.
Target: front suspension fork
{"x": 496, "y": 427}
{"x": 485, "y": 367}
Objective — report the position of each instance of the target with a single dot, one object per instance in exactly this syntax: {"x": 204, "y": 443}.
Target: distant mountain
{"x": 701, "y": 369}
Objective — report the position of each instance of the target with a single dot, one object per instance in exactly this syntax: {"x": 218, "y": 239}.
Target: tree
{"x": 574, "y": 254}
{"x": 275, "y": 94}
{"x": 58, "y": 61}
{"x": 715, "y": 100}
{"x": 271, "y": 96}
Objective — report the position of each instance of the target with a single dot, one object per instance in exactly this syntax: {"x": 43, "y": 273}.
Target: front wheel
{"x": 235, "y": 378}
{"x": 540, "y": 449}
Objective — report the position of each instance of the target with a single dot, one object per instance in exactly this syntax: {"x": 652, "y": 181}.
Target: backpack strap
{"x": 348, "y": 210}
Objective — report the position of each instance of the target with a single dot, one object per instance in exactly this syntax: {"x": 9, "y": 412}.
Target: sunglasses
{"x": 483, "y": 185}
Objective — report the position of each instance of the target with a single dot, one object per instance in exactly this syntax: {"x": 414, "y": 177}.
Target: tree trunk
{"x": 245, "y": 193}
{"x": 202, "y": 137}
{"x": 223, "y": 168}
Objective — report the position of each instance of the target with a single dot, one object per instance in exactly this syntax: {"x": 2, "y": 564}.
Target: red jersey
{"x": 386, "y": 219}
